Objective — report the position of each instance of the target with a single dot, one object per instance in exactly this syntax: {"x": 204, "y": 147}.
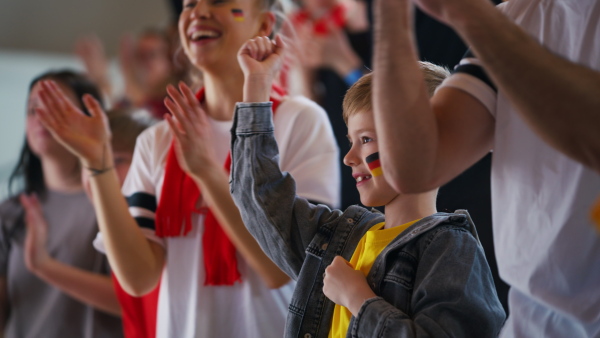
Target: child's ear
{"x": 267, "y": 23}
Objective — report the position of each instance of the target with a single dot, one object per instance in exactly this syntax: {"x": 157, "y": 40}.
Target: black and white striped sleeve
{"x": 470, "y": 76}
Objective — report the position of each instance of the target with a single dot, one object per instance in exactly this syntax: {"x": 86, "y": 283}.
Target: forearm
{"x": 87, "y": 287}
{"x": 215, "y": 189}
{"x": 401, "y": 105}
{"x": 135, "y": 261}
{"x": 557, "y": 98}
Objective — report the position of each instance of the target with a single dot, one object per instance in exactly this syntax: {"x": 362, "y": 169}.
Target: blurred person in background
{"x": 52, "y": 281}
{"x": 147, "y": 63}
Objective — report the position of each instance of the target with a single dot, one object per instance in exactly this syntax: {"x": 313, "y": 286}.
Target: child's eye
{"x": 190, "y": 4}
{"x": 365, "y": 139}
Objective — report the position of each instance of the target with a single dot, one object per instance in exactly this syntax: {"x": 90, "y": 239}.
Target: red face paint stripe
{"x": 374, "y": 165}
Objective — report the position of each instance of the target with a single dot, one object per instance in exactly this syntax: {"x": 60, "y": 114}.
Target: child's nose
{"x": 351, "y": 159}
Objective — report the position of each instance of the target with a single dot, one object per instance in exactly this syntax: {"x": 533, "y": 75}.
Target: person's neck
{"x": 62, "y": 173}
{"x": 407, "y": 208}
{"x": 221, "y": 92}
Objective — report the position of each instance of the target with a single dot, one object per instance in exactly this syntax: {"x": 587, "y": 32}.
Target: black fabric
{"x": 478, "y": 72}
{"x": 144, "y": 222}
{"x": 142, "y": 200}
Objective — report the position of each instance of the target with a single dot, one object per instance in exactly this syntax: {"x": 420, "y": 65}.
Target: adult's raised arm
{"x": 423, "y": 144}
{"x": 556, "y": 97}
{"x": 136, "y": 261}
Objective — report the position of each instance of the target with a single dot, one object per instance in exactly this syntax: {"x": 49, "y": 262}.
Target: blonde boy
{"x": 412, "y": 272}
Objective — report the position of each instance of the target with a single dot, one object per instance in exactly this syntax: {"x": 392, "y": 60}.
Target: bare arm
{"x": 423, "y": 144}
{"x": 557, "y": 98}
{"x": 87, "y": 287}
{"x": 136, "y": 261}
{"x": 196, "y": 157}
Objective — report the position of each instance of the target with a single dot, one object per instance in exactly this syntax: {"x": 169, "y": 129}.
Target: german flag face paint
{"x": 374, "y": 164}
{"x": 238, "y": 14}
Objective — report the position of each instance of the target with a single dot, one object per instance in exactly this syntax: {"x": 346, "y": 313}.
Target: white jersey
{"x": 546, "y": 245}
{"x": 186, "y": 307}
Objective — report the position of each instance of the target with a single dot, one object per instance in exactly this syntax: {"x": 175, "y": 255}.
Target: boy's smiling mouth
{"x": 361, "y": 178}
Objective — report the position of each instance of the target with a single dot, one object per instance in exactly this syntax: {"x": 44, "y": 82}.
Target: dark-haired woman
{"x": 52, "y": 281}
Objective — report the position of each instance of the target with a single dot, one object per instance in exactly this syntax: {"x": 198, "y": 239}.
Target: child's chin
{"x": 370, "y": 204}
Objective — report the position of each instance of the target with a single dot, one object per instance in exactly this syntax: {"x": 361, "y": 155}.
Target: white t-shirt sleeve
{"x": 308, "y": 150}
{"x": 470, "y": 77}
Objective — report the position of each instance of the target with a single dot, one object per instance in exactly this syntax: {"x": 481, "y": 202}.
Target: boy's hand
{"x": 36, "y": 255}
{"x": 88, "y": 137}
{"x": 345, "y": 286}
{"x": 260, "y": 60}
{"x": 191, "y": 130}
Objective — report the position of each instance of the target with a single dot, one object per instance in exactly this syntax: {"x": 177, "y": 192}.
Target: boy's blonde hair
{"x": 358, "y": 97}
{"x": 126, "y": 125}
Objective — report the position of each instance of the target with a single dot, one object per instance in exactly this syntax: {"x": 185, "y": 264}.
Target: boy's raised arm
{"x": 282, "y": 222}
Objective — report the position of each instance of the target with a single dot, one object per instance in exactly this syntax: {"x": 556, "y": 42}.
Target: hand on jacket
{"x": 345, "y": 286}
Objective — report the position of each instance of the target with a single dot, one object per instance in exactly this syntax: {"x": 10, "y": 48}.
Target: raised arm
{"x": 557, "y": 98}
{"x": 423, "y": 144}
{"x": 88, "y": 287}
{"x": 193, "y": 145}
{"x": 283, "y": 223}
{"x": 136, "y": 261}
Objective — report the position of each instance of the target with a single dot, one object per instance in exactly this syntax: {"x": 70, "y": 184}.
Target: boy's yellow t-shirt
{"x": 369, "y": 247}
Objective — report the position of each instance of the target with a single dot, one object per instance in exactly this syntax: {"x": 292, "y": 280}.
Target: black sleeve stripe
{"x": 145, "y": 222}
{"x": 476, "y": 71}
{"x": 142, "y": 200}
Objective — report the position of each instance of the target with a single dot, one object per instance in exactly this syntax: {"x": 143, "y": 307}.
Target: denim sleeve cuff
{"x": 253, "y": 117}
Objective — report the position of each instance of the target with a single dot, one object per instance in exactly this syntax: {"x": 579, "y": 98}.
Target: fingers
{"x": 175, "y": 128}
{"x": 197, "y": 113}
{"x": 47, "y": 119}
{"x": 51, "y": 102}
{"x": 93, "y": 106}
{"x": 57, "y": 101}
{"x": 279, "y": 45}
{"x": 262, "y": 47}
{"x": 178, "y": 106}
{"x": 33, "y": 209}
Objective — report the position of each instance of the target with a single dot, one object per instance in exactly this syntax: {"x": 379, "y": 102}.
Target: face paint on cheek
{"x": 238, "y": 14}
{"x": 374, "y": 164}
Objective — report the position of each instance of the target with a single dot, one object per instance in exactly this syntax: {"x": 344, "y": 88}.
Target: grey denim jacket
{"x": 432, "y": 280}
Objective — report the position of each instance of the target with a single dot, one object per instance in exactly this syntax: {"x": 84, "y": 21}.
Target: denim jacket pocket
{"x": 398, "y": 282}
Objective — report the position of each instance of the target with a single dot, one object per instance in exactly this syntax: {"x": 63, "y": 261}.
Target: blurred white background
{"x": 36, "y": 36}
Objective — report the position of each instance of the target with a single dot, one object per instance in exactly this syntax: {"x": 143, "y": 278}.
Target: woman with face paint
{"x": 179, "y": 220}
{"x": 52, "y": 281}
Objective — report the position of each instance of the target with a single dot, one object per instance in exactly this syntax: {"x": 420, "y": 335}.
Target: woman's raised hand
{"x": 260, "y": 59}
{"x": 191, "y": 131}
{"x": 36, "y": 254}
{"x": 85, "y": 136}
